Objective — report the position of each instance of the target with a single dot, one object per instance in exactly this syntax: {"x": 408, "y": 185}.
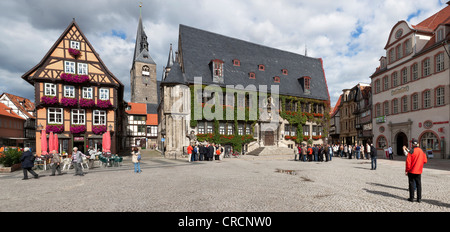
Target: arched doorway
{"x": 402, "y": 140}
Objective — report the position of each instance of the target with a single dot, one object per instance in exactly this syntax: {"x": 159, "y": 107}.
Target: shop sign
{"x": 381, "y": 119}
{"x": 78, "y": 138}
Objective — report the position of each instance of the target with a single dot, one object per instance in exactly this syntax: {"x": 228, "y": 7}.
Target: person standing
{"x": 368, "y": 151}
{"x": 77, "y": 159}
{"x": 373, "y": 157}
{"x": 304, "y": 152}
{"x": 189, "y": 152}
{"x": 414, "y": 168}
{"x": 296, "y": 152}
{"x": 56, "y": 161}
{"x": 357, "y": 151}
{"x": 27, "y": 160}
{"x": 391, "y": 154}
{"x": 136, "y": 160}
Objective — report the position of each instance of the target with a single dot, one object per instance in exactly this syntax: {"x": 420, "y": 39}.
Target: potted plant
{"x": 77, "y": 129}
{"x": 49, "y": 100}
{"x": 65, "y": 101}
{"x": 104, "y": 104}
{"x": 73, "y": 78}
{"x": 74, "y": 52}
{"x": 54, "y": 128}
{"x": 87, "y": 103}
{"x": 98, "y": 130}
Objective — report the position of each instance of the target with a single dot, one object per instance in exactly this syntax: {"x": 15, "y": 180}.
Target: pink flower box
{"x": 54, "y": 128}
{"x": 77, "y": 129}
{"x": 49, "y": 100}
{"x": 98, "y": 130}
{"x": 87, "y": 103}
{"x": 104, "y": 104}
{"x": 72, "y": 78}
{"x": 69, "y": 101}
{"x": 74, "y": 52}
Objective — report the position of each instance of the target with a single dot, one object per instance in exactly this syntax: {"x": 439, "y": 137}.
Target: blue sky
{"x": 348, "y": 35}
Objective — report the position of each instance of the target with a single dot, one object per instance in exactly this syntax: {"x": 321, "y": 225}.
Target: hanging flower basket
{"x": 54, "y": 128}
{"x": 72, "y": 78}
{"x": 87, "y": 103}
{"x": 49, "y": 100}
{"x": 65, "y": 101}
{"x": 104, "y": 104}
{"x": 77, "y": 129}
{"x": 74, "y": 52}
{"x": 98, "y": 130}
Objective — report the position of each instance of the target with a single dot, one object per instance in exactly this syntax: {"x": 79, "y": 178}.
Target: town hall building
{"x": 246, "y": 96}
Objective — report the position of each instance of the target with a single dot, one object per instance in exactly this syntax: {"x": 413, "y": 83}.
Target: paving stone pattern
{"x": 260, "y": 184}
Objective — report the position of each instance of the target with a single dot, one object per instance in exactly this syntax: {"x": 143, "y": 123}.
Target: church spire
{"x": 170, "y": 61}
{"x": 141, "y": 50}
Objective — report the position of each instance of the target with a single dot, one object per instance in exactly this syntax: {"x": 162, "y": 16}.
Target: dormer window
{"x": 439, "y": 35}
{"x": 305, "y": 82}
{"x": 252, "y": 75}
{"x": 236, "y": 62}
{"x": 261, "y": 67}
{"x": 276, "y": 79}
{"x": 217, "y": 70}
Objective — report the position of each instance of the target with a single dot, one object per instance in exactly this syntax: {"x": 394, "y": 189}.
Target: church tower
{"x": 143, "y": 70}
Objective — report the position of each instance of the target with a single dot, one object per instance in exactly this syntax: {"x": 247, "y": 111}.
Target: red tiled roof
{"x": 431, "y": 23}
{"x": 23, "y": 104}
{"x": 137, "y": 108}
{"x": 152, "y": 120}
{"x": 6, "y": 111}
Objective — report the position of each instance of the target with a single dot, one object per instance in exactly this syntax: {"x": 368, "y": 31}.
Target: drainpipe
{"x": 446, "y": 46}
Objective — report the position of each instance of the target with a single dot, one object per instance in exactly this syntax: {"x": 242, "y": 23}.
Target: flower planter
{"x": 75, "y": 53}
{"x": 55, "y": 129}
{"x": 77, "y": 129}
{"x": 98, "y": 130}
{"x": 49, "y": 100}
{"x": 13, "y": 168}
{"x": 104, "y": 104}
{"x": 69, "y": 101}
{"x": 75, "y": 79}
{"x": 87, "y": 103}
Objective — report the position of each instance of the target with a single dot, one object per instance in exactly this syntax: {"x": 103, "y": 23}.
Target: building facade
{"x": 410, "y": 88}
{"x": 242, "y": 95}
{"x": 76, "y": 96}
{"x": 25, "y": 109}
{"x": 141, "y": 126}
{"x": 11, "y": 127}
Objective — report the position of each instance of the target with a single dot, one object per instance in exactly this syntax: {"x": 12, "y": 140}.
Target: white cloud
{"x": 348, "y": 35}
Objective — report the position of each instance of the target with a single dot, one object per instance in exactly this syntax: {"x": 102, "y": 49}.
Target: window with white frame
{"x": 104, "y": 94}
{"x": 429, "y": 140}
{"x": 395, "y": 106}
{"x": 440, "y": 96}
{"x": 230, "y": 130}
{"x": 415, "y": 101}
{"x": 201, "y": 128}
{"x": 99, "y": 117}
{"x": 404, "y": 73}
{"x": 241, "y": 129}
{"x": 69, "y": 67}
{"x": 49, "y": 89}
{"x": 222, "y": 128}
{"x": 82, "y": 69}
{"x": 69, "y": 91}
{"x": 426, "y": 67}
{"x": 209, "y": 127}
{"x": 426, "y": 99}
{"x": 248, "y": 129}
{"x": 414, "y": 72}
{"x": 78, "y": 117}
{"x": 394, "y": 79}
{"x": 152, "y": 131}
{"x": 439, "y": 62}
{"x": 87, "y": 92}
{"x": 75, "y": 45}
{"x": 55, "y": 115}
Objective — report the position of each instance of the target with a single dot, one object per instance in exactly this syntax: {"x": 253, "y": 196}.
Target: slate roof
{"x": 199, "y": 47}
{"x": 141, "y": 52}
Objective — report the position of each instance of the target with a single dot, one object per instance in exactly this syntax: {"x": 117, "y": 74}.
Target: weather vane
{"x": 140, "y": 8}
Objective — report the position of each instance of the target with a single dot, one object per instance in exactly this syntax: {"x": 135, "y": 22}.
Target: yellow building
{"x": 76, "y": 96}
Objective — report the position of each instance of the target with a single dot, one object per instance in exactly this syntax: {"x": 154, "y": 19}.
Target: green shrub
{"x": 10, "y": 157}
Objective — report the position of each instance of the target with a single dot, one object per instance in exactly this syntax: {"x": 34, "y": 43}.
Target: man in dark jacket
{"x": 27, "y": 160}
{"x": 373, "y": 157}
{"x": 211, "y": 152}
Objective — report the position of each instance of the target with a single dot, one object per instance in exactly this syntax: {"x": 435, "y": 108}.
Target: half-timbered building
{"x": 76, "y": 96}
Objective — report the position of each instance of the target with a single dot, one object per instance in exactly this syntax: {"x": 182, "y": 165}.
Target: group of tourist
{"x": 204, "y": 152}
{"x": 56, "y": 160}
{"x": 326, "y": 152}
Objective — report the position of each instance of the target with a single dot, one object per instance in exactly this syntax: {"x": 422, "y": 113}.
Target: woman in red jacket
{"x": 414, "y": 166}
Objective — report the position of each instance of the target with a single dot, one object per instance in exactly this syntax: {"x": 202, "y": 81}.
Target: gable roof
{"x": 6, "y": 111}
{"x": 432, "y": 22}
{"x": 23, "y": 104}
{"x": 29, "y": 78}
{"x": 198, "y": 48}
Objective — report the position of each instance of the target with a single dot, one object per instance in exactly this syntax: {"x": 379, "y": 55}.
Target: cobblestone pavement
{"x": 261, "y": 184}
